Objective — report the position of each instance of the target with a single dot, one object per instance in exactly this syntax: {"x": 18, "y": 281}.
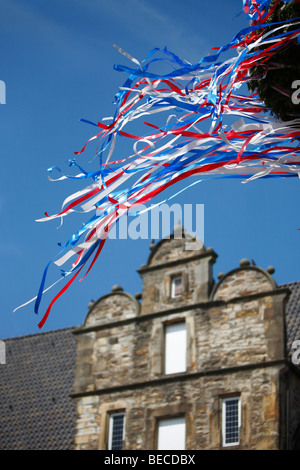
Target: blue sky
{"x": 57, "y": 63}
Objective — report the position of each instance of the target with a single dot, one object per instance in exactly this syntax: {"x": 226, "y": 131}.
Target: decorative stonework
{"x": 170, "y": 258}
{"x": 171, "y": 249}
{"x": 243, "y": 281}
{"x": 116, "y": 306}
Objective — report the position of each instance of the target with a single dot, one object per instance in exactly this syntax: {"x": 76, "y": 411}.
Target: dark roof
{"x": 36, "y": 411}
{"x": 293, "y": 314}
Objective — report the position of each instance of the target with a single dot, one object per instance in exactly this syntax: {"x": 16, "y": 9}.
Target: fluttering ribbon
{"x": 189, "y": 96}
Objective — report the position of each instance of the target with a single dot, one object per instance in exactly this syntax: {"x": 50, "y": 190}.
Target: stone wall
{"x": 231, "y": 334}
{"x": 235, "y": 346}
{"x": 171, "y": 258}
{"x": 199, "y": 399}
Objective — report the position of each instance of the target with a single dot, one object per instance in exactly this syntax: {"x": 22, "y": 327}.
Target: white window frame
{"x": 168, "y": 367}
{"x": 224, "y": 401}
{"x": 166, "y": 420}
{"x": 173, "y": 287}
{"x": 110, "y": 427}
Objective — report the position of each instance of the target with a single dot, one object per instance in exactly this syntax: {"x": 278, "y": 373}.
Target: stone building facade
{"x": 190, "y": 363}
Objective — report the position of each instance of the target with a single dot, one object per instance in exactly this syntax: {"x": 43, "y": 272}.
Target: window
{"x": 171, "y": 434}
{"x": 176, "y": 287}
{"x": 116, "y": 431}
{"x": 231, "y": 421}
{"x": 175, "y": 348}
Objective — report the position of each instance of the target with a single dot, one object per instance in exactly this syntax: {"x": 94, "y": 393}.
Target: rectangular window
{"x": 176, "y": 288}
{"x": 116, "y": 431}
{"x": 171, "y": 434}
{"x": 231, "y": 421}
{"x": 175, "y": 348}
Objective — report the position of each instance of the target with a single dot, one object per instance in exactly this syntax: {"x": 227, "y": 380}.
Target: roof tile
{"x": 36, "y": 412}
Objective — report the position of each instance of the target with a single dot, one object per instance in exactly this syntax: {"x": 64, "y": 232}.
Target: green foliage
{"x": 288, "y": 60}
